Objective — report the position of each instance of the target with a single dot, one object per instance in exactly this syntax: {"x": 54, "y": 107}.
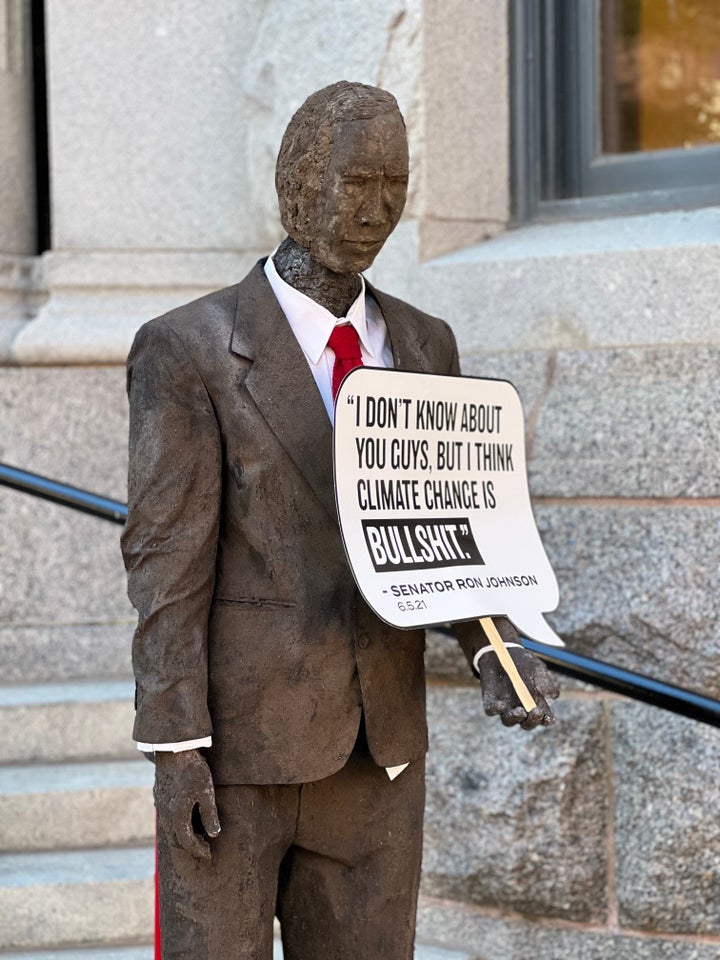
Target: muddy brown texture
{"x": 341, "y": 179}
{"x": 185, "y": 800}
{"x": 499, "y": 697}
{"x": 355, "y": 833}
{"x": 250, "y": 625}
{"x": 334, "y": 291}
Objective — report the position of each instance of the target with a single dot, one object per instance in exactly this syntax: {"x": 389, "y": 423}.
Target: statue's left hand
{"x": 183, "y": 786}
{"x": 499, "y": 697}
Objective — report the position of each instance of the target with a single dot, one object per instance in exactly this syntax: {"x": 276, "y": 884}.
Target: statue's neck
{"x": 334, "y": 291}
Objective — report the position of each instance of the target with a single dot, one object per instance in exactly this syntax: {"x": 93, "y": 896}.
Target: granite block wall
{"x": 63, "y": 609}
{"x": 595, "y": 838}
{"x": 17, "y": 162}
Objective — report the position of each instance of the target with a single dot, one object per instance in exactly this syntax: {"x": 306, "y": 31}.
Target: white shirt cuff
{"x": 176, "y": 747}
{"x": 393, "y": 772}
{"x": 489, "y": 648}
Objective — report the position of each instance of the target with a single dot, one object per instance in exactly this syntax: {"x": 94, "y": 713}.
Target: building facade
{"x": 597, "y": 837}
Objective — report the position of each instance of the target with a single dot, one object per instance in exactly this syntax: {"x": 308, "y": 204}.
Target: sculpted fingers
{"x": 500, "y": 698}
{"x": 545, "y": 682}
{"x": 185, "y": 801}
{"x": 513, "y": 716}
{"x": 541, "y": 715}
{"x": 187, "y": 839}
{"x": 209, "y": 816}
{"x": 542, "y": 686}
{"x": 176, "y": 819}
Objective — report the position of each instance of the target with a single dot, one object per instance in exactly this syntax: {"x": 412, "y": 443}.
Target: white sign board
{"x": 434, "y": 507}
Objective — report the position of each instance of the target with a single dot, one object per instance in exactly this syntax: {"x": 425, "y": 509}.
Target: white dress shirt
{"x": 312, "y": 325}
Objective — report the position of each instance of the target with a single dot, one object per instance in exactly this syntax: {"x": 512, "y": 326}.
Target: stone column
{"x": 148, "y": 180}
{"x": 164, "y": 123}
{"x": 17, "y": 162}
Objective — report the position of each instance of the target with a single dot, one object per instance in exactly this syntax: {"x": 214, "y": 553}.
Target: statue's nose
{"x": 372, "y": 212}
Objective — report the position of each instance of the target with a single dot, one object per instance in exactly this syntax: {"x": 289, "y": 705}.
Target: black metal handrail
{"x": 637, "y": 686}
{"x": 63, "y": 493}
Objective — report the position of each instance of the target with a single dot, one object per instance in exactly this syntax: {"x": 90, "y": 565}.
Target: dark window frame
{"x": 40, "y": 112}
{"x": 557, "y": 169}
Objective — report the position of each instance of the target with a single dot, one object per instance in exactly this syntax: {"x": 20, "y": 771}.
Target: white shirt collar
{"x": 311, "y": 323}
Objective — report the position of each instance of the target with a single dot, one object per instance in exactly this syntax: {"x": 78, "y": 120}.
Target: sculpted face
{"x": 361, "y": 196}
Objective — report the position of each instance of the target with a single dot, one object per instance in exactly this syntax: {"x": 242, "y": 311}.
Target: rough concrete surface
{"x": 641, "y": 422}
{"x": 67, "y": 422}
{"x": 516, "y": 819}
{"x": 299, "y": 48}
{"x": 78, "y": 725}
{"x": 58, "y": 566}
{"x": 490, "y": 937}
{"x": 218, "y": 85}
{"x": 184, "y": 62}
{"x": 667, "y": 832}
{"x": 444, "y": 658}
{"x": 50, "y": 653}
{"x": 465, "y": 166}
{"x": 76, "y": 898}
{"x": 518, "y": 293}
{"x": 64, "y": 806}
{"x": 529, "y": 373}
{"x": 639, "y": 587}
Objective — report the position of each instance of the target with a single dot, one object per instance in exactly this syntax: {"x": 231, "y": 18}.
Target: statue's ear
{"x": 299, "y": 182}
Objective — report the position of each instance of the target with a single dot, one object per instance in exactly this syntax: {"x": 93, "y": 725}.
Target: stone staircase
{"x": 77, "y": 825}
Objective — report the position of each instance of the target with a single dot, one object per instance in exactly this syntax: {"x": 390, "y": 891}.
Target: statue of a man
{"x": 287, "y": 720}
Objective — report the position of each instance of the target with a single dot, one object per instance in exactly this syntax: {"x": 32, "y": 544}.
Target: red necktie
{"x": 345, "y": 344}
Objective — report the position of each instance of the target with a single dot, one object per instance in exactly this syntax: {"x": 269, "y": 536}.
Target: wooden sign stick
{"x": 507, "y": 664}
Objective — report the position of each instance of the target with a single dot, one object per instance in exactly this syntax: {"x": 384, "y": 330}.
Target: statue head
{"x": 342, "y": 174}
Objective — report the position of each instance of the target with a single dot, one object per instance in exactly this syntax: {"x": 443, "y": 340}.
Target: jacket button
{"x": 363, "y": 641}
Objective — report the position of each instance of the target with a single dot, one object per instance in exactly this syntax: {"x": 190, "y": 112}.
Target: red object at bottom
{"x": 158, "y": 950}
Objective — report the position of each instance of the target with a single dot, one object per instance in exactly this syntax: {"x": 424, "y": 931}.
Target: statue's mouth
{"x": 364, "y": 242}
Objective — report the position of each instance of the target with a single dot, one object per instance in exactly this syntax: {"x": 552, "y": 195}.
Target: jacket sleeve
{"x": 170, "y": 540}
{"x": 454, "y": 365}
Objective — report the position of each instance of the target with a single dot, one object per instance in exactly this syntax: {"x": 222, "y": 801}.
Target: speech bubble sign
{"x": 434, "y": 507}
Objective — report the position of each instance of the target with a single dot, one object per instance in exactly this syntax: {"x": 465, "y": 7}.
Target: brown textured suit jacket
{"x": 250, "y": 625}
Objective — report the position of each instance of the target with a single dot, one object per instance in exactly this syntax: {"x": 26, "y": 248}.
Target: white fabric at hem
{"x": 489, "y": 648}
{"x": 176, "y": 747}
{"x": 393, "y": 772}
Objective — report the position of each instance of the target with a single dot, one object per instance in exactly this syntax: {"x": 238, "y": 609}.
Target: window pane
{"x": 660, "y": 74}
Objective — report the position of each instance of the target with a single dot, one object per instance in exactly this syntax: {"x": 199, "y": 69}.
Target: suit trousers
{"x": 337, "y": 860}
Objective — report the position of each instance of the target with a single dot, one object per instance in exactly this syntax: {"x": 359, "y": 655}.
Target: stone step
{"x": 51, "y": 904}
{"x": 147, "y": 953}
{"x": 427, "y": 952}
{"x": 66, "y": 721}
{"x": 66, "y": 805}
{"x": 94, "y": 953}
{"x": 47, "y": 653}
{"x": 76, "y": 898}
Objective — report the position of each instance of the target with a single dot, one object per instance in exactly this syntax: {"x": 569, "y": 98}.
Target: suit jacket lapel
{"x": 408, "y": 342}
{"x": 282, "y": 385}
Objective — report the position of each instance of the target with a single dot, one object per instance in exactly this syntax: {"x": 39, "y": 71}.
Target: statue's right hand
{"x": 183, "y": 783}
